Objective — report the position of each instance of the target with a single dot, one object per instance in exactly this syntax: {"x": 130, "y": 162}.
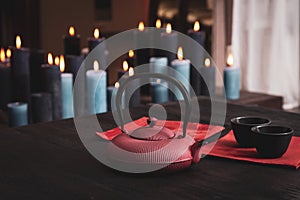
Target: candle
{"x": 142, "y": 38}
{"x": 110, "y": 91}
{"x": 231, "y": 79}
{"x": 41, "y": 107}
{"x": 96, "y": 90}
{"x": 131, "y": 58}
{"x": 159, "y": 65}
{"x": 5, "y": 81}
{"x": 209, "y": 73}
{"x": 156, "y": 35}
{"x": 182, "y": 66}
{"x": 37, "y": 58}
{"x": 131, "y": 95}
{"x": 73, "y": 64}
{"x": 159, "y": 92}
{"x": 51, "y": 77}
{"x": 197, "y": 57}
{"x": 94, "y": 41}
{"x": 125, "y": 68}
{"x": 66, "y": 90}
{"x": 17, "y": 114}
{"x": 72, "y": 42}
{"x": 20, "y": 72}
{"x": 169, "y": 40}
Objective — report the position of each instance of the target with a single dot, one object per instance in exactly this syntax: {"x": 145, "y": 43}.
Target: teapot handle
{"x": 178, "y": 84}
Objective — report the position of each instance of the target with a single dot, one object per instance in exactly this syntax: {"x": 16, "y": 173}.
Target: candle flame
{"x": 125, "y": 66}
{"x": 50, "y": 59}
{"x": 180, "y": 53}
{"x": 158, "y": 23}
{"x": 8, "y": 53}
{"x": 141, "y": 26}
{"x": 169, "y": 28}
{"x": 96, "y": 65}
{"x": 207, "y": 62}
{"x": 2, "y": 55}
{"x": 96, "y": 33}
{"x": 71, "y": 31}
{"x": 131, "y": 53}
{"x": 117, "y": 84}
{"x": 196, "y": 26}
{"x": 18, "y": 42}
{"x": 131, "y": 71}
{"x": 229, "y": 60}
{"x": 62, "y": 65}
{"x": 56, "y": 60}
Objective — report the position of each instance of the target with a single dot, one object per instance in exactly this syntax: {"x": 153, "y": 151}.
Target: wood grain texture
{"x": 48, "y": 161}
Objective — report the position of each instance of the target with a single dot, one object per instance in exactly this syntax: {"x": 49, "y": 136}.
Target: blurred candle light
{"x": 169, "y": 28}
{"x": 96, "y": 66}
{"x": 141, "y": 26}
{"x": 62, "y": 64}
{"x": 207, "y": 62}
{"x": 131, "y": 53}
{"x": 125, "y": 66}
{"x": 180, "y": 53}
{"x": 72, "y": 31}
{"x": 8, "y": 53}
{"x": 56, "y": 60}
{"x": 117, "y": 84}
{"x": 18, "y": 42}
{"x": 196, "y": 26}
{"x": 131, "y": 71}
{"x": 158, "y": 23}
{"x": 50, "y": 59}
{"x": 2, "y": 55}
{"x": 229, "y": 61}
{"x": 96, "y": 33}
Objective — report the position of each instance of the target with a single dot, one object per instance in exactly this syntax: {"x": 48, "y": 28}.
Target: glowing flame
{"x": 50, "y": 59}
{"x": 131, "y": 53}
{"x": 141, "y": 26}
{"x": 18, "y": 42}
{"x": 169, "y": 28}
{"x": 62, "y": 65}
{"x": 2, "y": 55}
{"x": 196, "y": 26}
{"x": 131, "y": 71}
{"x": 56, "y": 60}
{"x": 229, "y": 60}
{"x": 117, "y": 84}
{"x": 71, "y": 31}
{"x": 8, "y": 53}
{"x": 125, "y": 66}
{"x": 96, "y": 65}
{"x": 180, "y": 53}
{"x": 207, "y": 62}
{"x": 158, "y": 23}
{"x": 96, "y": 33}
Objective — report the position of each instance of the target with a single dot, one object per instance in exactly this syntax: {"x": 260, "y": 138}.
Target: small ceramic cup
{"x": 272, "y": 141}
{"x": 242, "y": 129}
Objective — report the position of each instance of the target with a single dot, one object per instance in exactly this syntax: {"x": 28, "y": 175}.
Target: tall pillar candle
{"x": 66, "y": 91}
{"x": 20, "y": 72}
{"x": 72, "y": 43}
{"x": 232, "y": 80}
{"x": 159, "y": 92}
{"x": 182, "y": 66}
{"x": 73, "y": 64}
{"x": 5, "y": 81}
{"x": 37, "y": 58}
{"x": 41, "y": 107}
{"x": 208, "y": 73}
{"x": 169, "y": 40}
{"x": 17, "y": 114}
{"x": 96, "y": 90}
{"x": 52, "y": 84}
{"x": 197, "y": 58}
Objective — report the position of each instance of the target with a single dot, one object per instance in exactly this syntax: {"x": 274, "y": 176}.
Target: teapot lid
{"x": 152, "y": 133}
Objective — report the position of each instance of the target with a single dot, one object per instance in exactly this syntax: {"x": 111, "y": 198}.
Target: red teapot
{"x": 154, "y": 147}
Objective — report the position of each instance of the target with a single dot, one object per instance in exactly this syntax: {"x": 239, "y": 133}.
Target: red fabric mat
{"x": 227, "y": 147}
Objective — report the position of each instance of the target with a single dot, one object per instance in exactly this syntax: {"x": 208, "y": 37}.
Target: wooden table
{"x": 48, "y": 161}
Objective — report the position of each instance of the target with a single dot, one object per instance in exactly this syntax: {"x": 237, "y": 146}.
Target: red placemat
{"x": 227, "y": 147}
{"x": 196, "y": 130}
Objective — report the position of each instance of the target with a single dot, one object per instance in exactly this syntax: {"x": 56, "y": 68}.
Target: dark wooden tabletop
{"x": 48, "y": 161}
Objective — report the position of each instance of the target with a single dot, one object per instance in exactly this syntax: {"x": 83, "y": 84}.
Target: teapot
{"x": 154, "y": 146}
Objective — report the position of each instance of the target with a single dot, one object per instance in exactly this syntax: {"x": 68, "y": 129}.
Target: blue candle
{"x": 182, "y": 66}
{"x": 159, "y": 65}
{"x": 17, "y": 114}
{"x": 66, "y": 91}
{"x": 232, "y": 80}
{"x": 96, "y": 90}
{"x": 159, "y": 92}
